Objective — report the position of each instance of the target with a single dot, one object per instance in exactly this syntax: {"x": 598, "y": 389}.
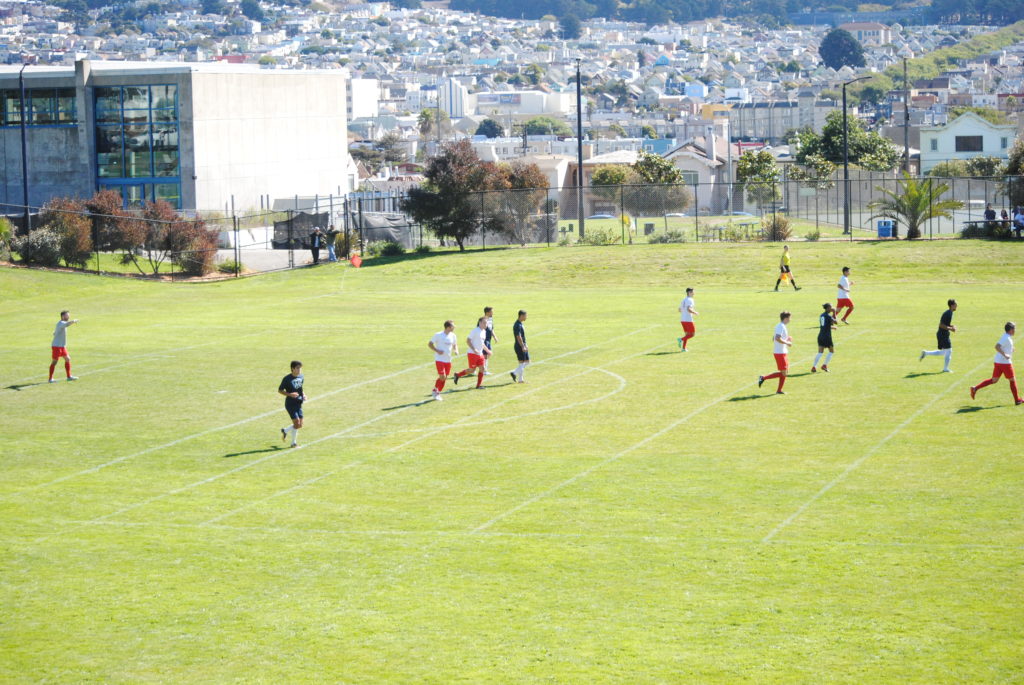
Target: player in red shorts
{"x": 477, "y": 342}
{"x": 58, "y": 347}
{"x": 1003, "y": 364}
{"x": 843, "y": 296}
{"x": 782, "y": 343}
{"x": 444, "y": 347}
{"x": 686, "y": 314}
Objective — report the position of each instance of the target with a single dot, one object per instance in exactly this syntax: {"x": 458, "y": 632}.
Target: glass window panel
{"x": 165, "y": 97}
{"x": 162, "y": 115}
{"x": 165, "y": 137}
{"x": 43, "y": 107}
{"x": 108, "y": 99}
{"x": 11, "y": 106}
{"x": 165, "y": 163}
{"x": 169, "y": 192}
{"x": 108, "y": 152}
{"x": 137, "y": 152}
{"x": 136, "y": 116}
{"x": 134, "y": 195}
{"x": 67, "y": 106}
{"x": 136, "y": 97}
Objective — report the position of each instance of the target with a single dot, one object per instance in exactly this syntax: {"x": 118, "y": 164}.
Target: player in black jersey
{"x": 826, "y": 324}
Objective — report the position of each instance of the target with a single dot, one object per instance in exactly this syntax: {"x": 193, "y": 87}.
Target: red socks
{"x": 52, "y": 367}
{"x": 987, "y": 381}
{"x": 67, "y": 368}
{"x": 439, "y": 384}
{"x": 688, "y": 336}
{"x": 479, "y": 378}
{"x": 1013, "y": 389}
{"x": 782, "y": 382}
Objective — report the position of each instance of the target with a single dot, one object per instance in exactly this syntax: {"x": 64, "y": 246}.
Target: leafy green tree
{"x": 654, "y": 168}
{"x": 989, "y": 114}
{"x": 571, "y": 27}
{"x": 617, "y": 130}
{"x": 608, "y": 178}
{"x": 913, "y": 203}
{"x": 547, "y": 126}
{"x": 648, "y": 131}
{"x": 214, "y": 7}
{"x": 840, "y": 49}
{"x": 427, "y": 122}
{"x": 252, "y": 10}
{"x": 534, "y": 74}
{"x": 1015, "y": 171}
{"x": 759, "y": 174}
{"x": 490, "y": 128}
{"x": 975, "y": 167}
{"x": 525, "y": 189}
{"x": 868, "y": 149}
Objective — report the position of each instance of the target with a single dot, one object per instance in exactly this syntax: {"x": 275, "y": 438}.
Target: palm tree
{"x": 913, "y": 203}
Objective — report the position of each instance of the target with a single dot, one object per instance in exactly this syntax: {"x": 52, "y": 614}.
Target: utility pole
{"x": 906, "y": 119}
{"x": 579, "y": 148}
{"x": 24, "y": 151}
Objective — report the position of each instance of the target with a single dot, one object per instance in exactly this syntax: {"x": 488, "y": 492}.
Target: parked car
{"x": 601, "y": 216}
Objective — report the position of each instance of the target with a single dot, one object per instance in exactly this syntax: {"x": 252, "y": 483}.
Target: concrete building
{"x": 965, "y": 137}
{"x": 195, "y": 135}
{"x": 363, "y": 98}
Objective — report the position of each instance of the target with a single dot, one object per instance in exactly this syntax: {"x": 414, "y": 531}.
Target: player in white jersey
{"x": 477, "y": 342}
{"x": 59, "y": 345}
{"x": 445, "y": 346}
{"x": 782, "y": 342}
{"x": 1003, "y": 364}
{"x": 491, "y": 338}
{"x": 686, "y": 314}
{"x": 843, "y": 296}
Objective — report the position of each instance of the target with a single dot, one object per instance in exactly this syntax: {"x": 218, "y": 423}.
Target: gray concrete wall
{"x": 265, "y": 133}
{"x": 54, "y": 165}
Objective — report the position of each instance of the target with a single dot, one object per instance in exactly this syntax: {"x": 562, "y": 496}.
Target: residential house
{"x": 967, "y": 136}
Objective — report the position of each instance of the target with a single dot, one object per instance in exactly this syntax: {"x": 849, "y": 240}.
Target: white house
{"x": 967, "y": 136}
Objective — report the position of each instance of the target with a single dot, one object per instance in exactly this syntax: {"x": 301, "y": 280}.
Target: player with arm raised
{"x": 291, "y": 387}
{"x": 59, "y": 345}
{"x": 476, "y": 341}
{"x": 686, "y": 314}
{"x": 444, "y": 346}
{"x": 522, "y": 351}
{"x": 942, "y": 335}
{"x": 1003, "y": 364}
{"x": 782, "y": 343}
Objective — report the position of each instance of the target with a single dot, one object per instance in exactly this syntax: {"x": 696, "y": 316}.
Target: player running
{"x": 686, "y": 314}
{"x": 826, "y": 324}
{"x": 782, "y": 344}
{"x": 445, "y": 346}
{"x": 1003, "y": 364}
{"x": 942, "y": 335}
{"x": 294, "y": 396}
{"x": 58, "y": 346}
{"x": 490, "y": 340}
{"x": 476, "y": 340}
{"x": 843, "y": 297}
{"x": 522, "y": 351}
{"x": 784, "y": 268}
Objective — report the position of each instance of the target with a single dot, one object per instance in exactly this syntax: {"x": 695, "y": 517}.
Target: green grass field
{"x": 631, "y": 514}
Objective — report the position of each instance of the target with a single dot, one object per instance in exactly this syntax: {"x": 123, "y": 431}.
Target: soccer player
{"x": 843, "y": 298}
{"x": 58, "y": 346}
{"x": 784, "y": 265}
{"x": 475, "y": 356}
{"x": 294, "y": 396}
{"x": 782, "y": 344}
{"x": 522, "y": 351}
{"x": 491, "y": 338}
{"x": 445, "y": 346}
{"x": 1003, "y": 364}
{"x": 945, "y": 345}
{"x": 686, "y": 314}
{"x": 826, "y": 324}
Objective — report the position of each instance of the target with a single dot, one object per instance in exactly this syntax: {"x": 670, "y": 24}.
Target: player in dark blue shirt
{"x": 942, "y": 335}
{"x": 294, "y": 396}
{"x": 522, "y": 351}
{"x": 826, "y": 323}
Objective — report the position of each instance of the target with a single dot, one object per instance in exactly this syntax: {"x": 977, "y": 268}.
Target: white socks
{"x": 828, "y": 358}
{"x": 817, "y": 359}
{"x": 294, "y": 433}
{"x": 519, "y": 371}
{"x": 949, "y": 356}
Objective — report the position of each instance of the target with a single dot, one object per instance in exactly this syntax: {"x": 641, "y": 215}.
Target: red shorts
{"x": 844, "y": 302}
{"x": 443, "y": 368}
{"x": 688, "y": 327}
{"x": 782, "y": 362}
{"x": 1005, "y": 370}
{"x": 475, "y": 360}
{"x": 58, "y": 352}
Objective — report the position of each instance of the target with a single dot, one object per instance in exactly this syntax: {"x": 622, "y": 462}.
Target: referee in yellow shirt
{"x": 784, "y": 269}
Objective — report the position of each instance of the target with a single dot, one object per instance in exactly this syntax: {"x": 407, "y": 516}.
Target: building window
{"x": 1004, "y": 142}
{"x": 690, "y": 178}
{"x": 43, "y": 107}
{"x": 969, "y": 143}
{"x": 934, "y": 144}
{"x": 137, "y": 142}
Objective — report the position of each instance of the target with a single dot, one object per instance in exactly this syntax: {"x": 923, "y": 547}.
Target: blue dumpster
{"x": 885, "y": 228}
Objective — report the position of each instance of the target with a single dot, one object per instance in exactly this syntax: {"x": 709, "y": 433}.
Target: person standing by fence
{"x": 332, "y": 237}
{"x": 784, "y": 269}
{"x": 316, "y": 241}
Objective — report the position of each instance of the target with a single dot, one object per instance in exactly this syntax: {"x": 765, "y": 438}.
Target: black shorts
{"x": 294, "y": 409}
{"x": 825, "y": 342}
{"x": 784, "y": 269}
{"x": 522, "y": 355}
{"x": 944, "y": 342}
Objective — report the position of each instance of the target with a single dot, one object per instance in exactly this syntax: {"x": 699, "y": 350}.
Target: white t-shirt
{"x": 443, "y": 342}
{"x": 60, "y": 334}
{"x": 684, "y": 310}
{"x": 1006, "y": 342}
{"x": 844, "y": 282}
{"x": 476, "y": 340}
{"x": 781, "y": 332}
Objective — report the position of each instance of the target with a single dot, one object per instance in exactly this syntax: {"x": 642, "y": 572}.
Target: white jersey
{"x": 844, "y": 288}
{"x": 1006, "y": 342}
{"x": 684, "y": 310}
{"x": 476, "y": 340}
{"x": 60, "y": 334}
{"x": 443, "y": 343}
{"x": 781, "y": 332}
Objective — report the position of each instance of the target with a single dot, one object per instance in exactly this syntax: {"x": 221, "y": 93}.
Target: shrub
{"x": 734, "y": 234}
{"x": 230, "y": 266}
{"x": 373, "y": 249}
{"x": 69, "y": 221}
{"x": 6, "y": 238}
{"x": 990, "y": 229}
{"x": 776, "y": 227}
{"x": 41, "y": 247}
{"x": 564, "y": 241}
{"x": 423, "y": 249}
{"x": 668, "y": 237}
{"x": 813, "y": 236}
{"x": 392, "y": 249}
{"x": 600, "y": 236}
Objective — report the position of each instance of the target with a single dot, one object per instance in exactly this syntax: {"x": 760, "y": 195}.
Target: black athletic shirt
{"x": 292, "y": 383}
{"x": 518, "y": 331}
{"x": 825, "y": 322}
{"x": 946, "y": 320}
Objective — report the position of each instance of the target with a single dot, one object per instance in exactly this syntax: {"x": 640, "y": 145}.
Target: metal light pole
{"x": 579, "y": 148}
{"x": 24, "y": 151}
{"x": 906, "y": 119}
{"x": 846, "y": 162}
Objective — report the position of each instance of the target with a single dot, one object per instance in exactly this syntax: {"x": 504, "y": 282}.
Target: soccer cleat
{"x": 973, "y": 391}
{"x": 947, "y": 371}
{"x": 294, "y": 444}
{"x": 824, "y": 367}
{"x": 760, "y": 381}
{"x": 284, "y": 435}
{"x": 437, "y": 396}
{"x": 923, "y": 355}
{"x": 779, "y": 392}
{"x": 846, "y": 322}
{"x": 456, "y": 378}
{"x": 54, "y": 380}
{"x": 814, "y": 370}
{"x": 72, "y": 378}
{"x": 487, "y": 373}
{"x": 795, "y": 288}
{"x": 513, "y": 374}
{"x": 679, "y": 341}
{"x": 1018, "y": 403}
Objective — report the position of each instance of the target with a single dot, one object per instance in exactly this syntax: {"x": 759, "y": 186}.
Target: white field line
{"x": 618, "y": 455}
{"x": 200, "y": 434}
{"x": 263, "y": 500}
{"x": 433, "y": 431}
{"x": 268, "y": 531}
{"x": 867, "y": 455}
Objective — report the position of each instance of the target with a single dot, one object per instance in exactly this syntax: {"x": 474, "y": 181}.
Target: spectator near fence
{"x": 316, "y": 241}
{"x": 332, "y": 237}
{"x": 1018, "y": 220}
